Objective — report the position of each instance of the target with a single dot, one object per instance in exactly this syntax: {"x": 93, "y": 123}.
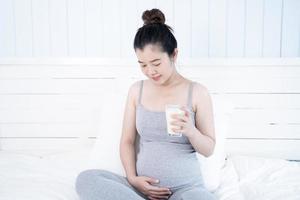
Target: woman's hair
{"x": 156, "y": 32}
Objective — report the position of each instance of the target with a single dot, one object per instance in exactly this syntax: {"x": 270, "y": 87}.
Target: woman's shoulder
{"x": 133, "y": 91}
{"x": 135, "y": 85}
{"x": 199, "y": 88}
{"x": 200, "y": 94}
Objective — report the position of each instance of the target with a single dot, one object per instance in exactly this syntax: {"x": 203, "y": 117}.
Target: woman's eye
{"x": 157, "y": 64}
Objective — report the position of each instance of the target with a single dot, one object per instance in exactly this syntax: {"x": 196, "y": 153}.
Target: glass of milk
{"x": 170, "y": 110}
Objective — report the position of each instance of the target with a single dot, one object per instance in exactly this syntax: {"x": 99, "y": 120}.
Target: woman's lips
{"x": 156, "y": 78}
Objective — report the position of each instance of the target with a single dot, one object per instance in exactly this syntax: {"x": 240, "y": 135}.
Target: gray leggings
{"x": 95, "y": 184}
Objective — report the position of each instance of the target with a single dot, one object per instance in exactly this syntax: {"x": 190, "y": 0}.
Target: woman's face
{"x": 155, "y": 64}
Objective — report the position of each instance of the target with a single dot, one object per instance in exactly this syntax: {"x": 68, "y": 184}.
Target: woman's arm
{"x": 202, "y": 137}
{"x": 127, "y": 143}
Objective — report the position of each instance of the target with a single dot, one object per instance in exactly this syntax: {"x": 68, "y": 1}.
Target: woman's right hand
{"x": 144, "y": 185}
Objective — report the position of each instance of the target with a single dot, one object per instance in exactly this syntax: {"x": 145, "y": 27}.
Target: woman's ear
{"x": 174, "y": 55}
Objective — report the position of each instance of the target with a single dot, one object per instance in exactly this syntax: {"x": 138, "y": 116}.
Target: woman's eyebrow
{"x": 151, "y": 60}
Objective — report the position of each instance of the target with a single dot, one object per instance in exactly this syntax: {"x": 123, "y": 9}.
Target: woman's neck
{"x": 174, "y": 80}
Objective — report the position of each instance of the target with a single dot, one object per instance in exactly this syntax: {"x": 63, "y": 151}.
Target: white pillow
{"x": 211, "y": 166}
{"x": 105, "y": 154}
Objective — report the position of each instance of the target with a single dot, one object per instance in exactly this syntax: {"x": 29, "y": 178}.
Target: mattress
{"x": 50, "y": 175}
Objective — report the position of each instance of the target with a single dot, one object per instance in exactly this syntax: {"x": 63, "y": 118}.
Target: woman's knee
{"x": 199, "y": 194}
{"x": 87, "y": 178}
{"x": 101, "y": 184}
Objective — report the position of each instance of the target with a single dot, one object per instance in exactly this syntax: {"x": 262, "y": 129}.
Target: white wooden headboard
{"x": 53, "y": 103}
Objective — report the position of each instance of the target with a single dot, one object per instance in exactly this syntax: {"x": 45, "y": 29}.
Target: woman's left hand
{"x": 183, "y": 123}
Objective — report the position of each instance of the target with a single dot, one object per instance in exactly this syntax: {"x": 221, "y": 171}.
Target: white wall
{"x": 105, "y": 28}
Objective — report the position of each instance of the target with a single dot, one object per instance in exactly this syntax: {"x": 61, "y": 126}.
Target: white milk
{"x": 170, "y": 110}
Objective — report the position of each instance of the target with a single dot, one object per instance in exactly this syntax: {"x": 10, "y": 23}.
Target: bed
{"x": 51, "y": 176}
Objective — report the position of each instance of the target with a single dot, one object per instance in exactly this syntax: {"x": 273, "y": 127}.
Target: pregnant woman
{"x": 166, "y": 167}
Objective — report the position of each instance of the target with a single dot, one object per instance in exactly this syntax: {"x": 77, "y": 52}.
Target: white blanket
{"x": 248, "y": 178}
{"x": 32, "y": 176}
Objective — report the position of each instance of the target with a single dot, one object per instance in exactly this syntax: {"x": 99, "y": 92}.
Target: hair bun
{"x": 153, "y": 16}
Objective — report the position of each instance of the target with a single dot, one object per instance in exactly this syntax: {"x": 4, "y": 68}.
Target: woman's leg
{"x": 193, "y": 193}
{"x": 97, "y": 184}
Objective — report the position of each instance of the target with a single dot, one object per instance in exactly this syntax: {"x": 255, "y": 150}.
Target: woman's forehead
{"x": 150, "y": 53}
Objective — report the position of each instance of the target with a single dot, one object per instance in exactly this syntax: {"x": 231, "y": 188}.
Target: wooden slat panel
{"x": 247, "y": 72}
{"x": 286, "y": 149}
{"x": 48, "y": 130}
{"x": 245, "y": 86}
{"x": 7, "y": 27}
{"x": 42, "y": 143}
{"x": 254, "y": 28}
{"x": 266, "y": 116}
{"x": 23, "y": 23}
{"x": 129, "y": 21}
{"x": 76, "y": 27}
{"x": 290, "y": 28}
{"x": 235, "y": 28}
{"x": 199, "y": 28}
{"x": 260, "y": 130}
{"x": 35, "y": 102}
{"x": 41, "y": 28}
{"x": 186, "y": 62}
{"x": 56, "y": 86}
{"x": 94, "y": 28}
{"x": 217, "y": 28}
{"x": 182, "y": 26}
{"x": 265, "y": 101}
{"x": 15, "y": 72}
{"x": 272, "y": 28}
{"x": 87, "y": 71}
{"x": 58, "y": 28}
{"x": 111, "y": 29}
{"x": 261, "y": 124}
{"x": 86, "y": 86}
{"x": 46, "y": 115}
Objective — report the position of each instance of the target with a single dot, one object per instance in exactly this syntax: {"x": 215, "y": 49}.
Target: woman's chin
{"x": 156, "y": 81}
{"x": 159, "y": 82}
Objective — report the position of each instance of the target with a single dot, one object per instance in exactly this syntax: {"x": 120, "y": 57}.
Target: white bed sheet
{"x": 51, "y": 176}
{"x": 32, "y": 176}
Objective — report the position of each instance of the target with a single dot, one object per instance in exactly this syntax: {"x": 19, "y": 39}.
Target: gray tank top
{"x": 172, "y": 160}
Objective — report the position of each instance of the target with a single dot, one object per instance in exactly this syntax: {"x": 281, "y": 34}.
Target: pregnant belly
{"x": 173, "y": 168}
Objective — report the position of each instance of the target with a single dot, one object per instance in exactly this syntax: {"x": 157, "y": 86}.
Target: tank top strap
{"x": 190, "y": 95}
{"x": 141, "y": 91}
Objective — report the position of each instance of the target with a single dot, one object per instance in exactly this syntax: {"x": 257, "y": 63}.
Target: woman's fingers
{"x": 152, "y": 198}
{"x": 180, "y": 118}
{"x": 156, "y": 192}
{"x": 164, "y": 193}
{"x": 176, "y": 123}
{"x": 159, "y": 196}
{"x": 158, "y": 189}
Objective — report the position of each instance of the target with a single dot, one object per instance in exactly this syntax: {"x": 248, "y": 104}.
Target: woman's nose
{"x": 151, "y": 71}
